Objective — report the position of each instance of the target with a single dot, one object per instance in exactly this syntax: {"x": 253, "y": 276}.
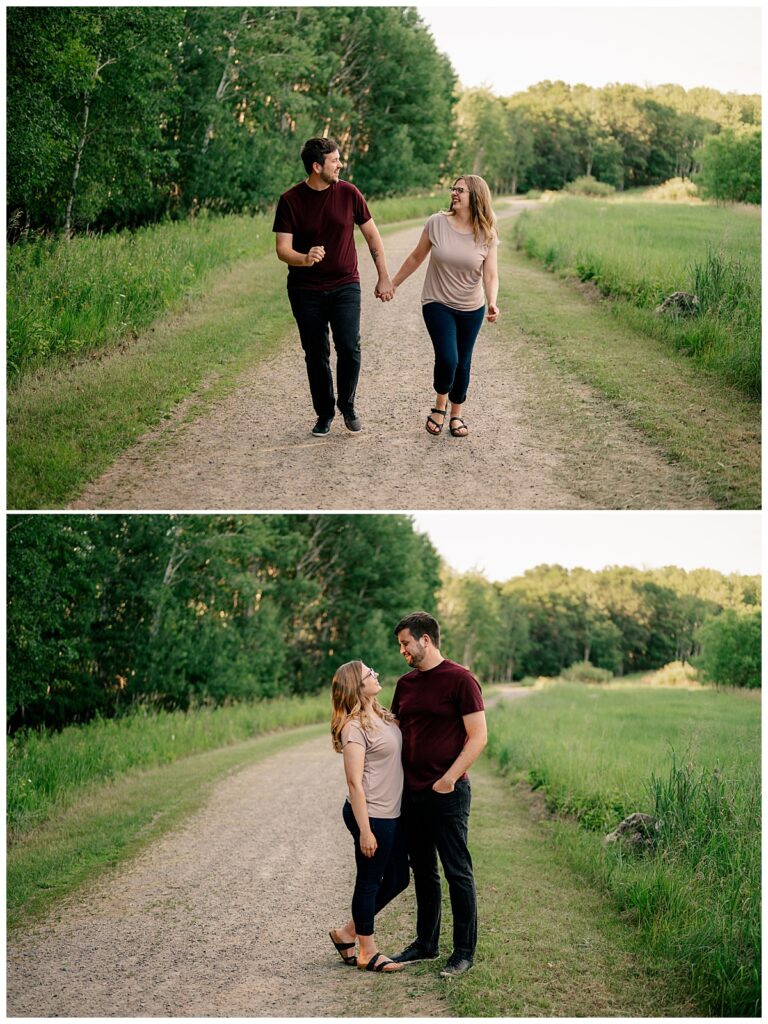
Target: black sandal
{"x": 456, "y": 431}
{"x": 379, "y": 963}
{"x": 341, "y": 946}
{"x": 439, "y": 426}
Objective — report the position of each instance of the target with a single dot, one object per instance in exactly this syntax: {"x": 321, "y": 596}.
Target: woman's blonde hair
{"x": 347, "y": 703}
{"x": 481, "y": 213}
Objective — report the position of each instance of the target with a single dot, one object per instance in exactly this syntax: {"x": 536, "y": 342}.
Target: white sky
{"x": 511, "y": 47}
{"x": 505, "y": 544}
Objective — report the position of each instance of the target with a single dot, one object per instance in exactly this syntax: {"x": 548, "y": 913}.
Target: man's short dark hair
{"x": 314, "y": 151}
{"x": 420, "y": 623}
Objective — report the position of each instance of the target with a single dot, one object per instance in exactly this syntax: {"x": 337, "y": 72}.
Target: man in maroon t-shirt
{"x": 439, "y": 707}
{"x": 315, "y": 235}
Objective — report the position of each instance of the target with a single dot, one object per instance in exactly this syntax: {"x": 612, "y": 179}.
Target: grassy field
{"x": 691, "y": 758}
{"x": 640, "y": 252}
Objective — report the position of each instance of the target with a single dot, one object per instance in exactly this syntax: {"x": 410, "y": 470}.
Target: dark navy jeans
{"x": 381, "y": 877}
{"x": 436, "y": 824}
{"x": 317, "y": 315}
{"x": 453, "y": 333}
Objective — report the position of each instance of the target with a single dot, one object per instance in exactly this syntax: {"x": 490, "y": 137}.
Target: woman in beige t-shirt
{"x": 462, "y": 275}
{"x": 369, "y": 738}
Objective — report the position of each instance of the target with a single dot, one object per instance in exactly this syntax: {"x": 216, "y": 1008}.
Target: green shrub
{"x": 586, "y": 185}
{"x": 731, "y": 649}
{"x": 586, "y": 672}
{"x": 675, "y": 190}
{"x": 731, "y": 169}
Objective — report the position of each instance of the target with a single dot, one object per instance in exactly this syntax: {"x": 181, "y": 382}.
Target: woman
{"x": 369, "y": 738}
{"x": 463, "y": 265}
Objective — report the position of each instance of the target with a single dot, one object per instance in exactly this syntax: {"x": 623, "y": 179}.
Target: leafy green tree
{"x": 731, "y": 649}
{"x": 731, "y": 167}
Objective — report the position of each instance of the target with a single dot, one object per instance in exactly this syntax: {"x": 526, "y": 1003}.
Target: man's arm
{"x": 477, "y": 737}
{"x": 376, "y": 247}
{"x": 289, "y": 255}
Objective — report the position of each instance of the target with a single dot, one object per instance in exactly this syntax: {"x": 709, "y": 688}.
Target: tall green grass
{"x": 77, "y": 297}
{"x": 47, "y": 771}
{"x": 640, "y": 253}
{"x": 691, "y": 758}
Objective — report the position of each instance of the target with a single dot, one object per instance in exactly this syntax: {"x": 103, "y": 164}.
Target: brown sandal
{"x": 456, "y": 431}
{"x": 341, "y": 946}
{"x": 379, "y": 963}
{"x": 439, "y": 426}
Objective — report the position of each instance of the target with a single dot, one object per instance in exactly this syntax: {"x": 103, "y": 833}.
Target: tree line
{"x": 122, "y": 116}
{"x": 623, "y": 135}
{"x": 107, "y": 611}
{"x": 172, "y": 611}
{"x": 620, "y": 619}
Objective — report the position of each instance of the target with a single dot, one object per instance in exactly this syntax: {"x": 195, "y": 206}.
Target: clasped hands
{"x": 387, "y": 293}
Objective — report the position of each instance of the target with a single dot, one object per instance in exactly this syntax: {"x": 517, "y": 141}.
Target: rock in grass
{"x": 637, "y": 832}
{"x": 681, "y": 303}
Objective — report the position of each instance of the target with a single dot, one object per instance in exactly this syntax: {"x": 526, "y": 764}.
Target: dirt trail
{"x": 225, "y": 917}
{"x": 254, "y": 449}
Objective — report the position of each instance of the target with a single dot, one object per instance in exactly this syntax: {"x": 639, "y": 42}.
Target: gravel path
{"x": 538, "y": 439}
{"x": 226, "y": 917}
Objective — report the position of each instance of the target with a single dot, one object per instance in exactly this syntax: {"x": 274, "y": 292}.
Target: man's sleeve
{"x": 469, "y": 695}
{"x": 395, "y": 708}
{"x": 283, "y": 217}
{"x": 361, "y": 211}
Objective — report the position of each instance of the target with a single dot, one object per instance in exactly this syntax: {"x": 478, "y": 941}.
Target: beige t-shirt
{"x": 383, "y": 769}
{"x": 455, "y": 272}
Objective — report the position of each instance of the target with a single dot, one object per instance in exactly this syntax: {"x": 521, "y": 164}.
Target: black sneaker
{"x": 414, "y": 954}
{"x": 323, "y": 426}
{"x": 456, "y": 965}
{"x": 351, "y": 422}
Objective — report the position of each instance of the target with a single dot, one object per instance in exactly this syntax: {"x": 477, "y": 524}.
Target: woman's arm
{"x": 491, "y": 283}
{"x": 414, "y": 261}
{"x": 354, "y": 762}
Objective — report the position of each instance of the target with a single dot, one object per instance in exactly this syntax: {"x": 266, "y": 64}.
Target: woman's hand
{"x": 493, "y": 313}
{"x": 368, "y": 844}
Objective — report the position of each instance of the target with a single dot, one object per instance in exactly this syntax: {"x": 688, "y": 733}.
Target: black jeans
{"x": 453, "y": 333}
{"x": 435, "y": 825}
{"x": 381, "y": 877}
{"x": 317, "y": 314}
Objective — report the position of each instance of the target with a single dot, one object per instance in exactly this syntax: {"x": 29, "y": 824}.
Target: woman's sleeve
{"x": 353, "y": 732}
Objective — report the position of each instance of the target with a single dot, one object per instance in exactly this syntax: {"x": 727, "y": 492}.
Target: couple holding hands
{"x": 409, "y": 796}
{"x": 314, "y": 227}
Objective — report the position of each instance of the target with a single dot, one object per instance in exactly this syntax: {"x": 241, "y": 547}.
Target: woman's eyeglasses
{"x": 371, "y": 672}
{"x": 460, "y": 190}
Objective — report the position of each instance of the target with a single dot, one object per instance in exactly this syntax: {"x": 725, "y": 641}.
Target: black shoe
{"x": 414, "y": 954}
{"x": 322, "y": 427}
{"x": 351, "y": 422}
{"x": 456, "y": 965}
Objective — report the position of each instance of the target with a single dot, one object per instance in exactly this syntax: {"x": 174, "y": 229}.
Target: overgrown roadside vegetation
{"x": 548, "y": 945}
{"x": 47, "y": 771}
{"x": 640, "y": 253}
{"x": 686, "y": 410}
{"x": 110, "y": 822}
{"x": 218, "y": 293}
{"x": 690, "y": 758}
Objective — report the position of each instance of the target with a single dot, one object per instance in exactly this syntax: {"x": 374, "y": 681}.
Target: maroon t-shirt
{"x": 328, "y": 218}
{"x": 430, "y": 707}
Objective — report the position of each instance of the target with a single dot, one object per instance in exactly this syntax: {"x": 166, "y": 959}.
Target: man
{"x": 315, "y": 227}
{"x": 440, "y": 710}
